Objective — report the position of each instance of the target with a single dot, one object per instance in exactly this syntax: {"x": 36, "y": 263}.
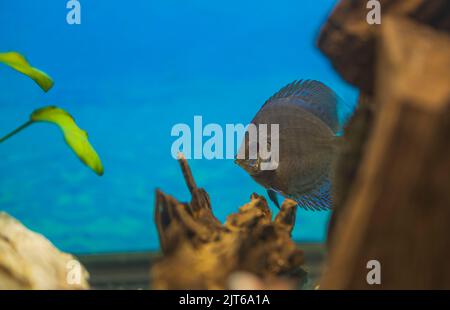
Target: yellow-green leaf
{"x": 75, "y": 137}
{"x": 19, "y": 63}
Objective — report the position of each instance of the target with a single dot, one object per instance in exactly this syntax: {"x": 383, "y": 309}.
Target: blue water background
{"x": 128, "y": 73}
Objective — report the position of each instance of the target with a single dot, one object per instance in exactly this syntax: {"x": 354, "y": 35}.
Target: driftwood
{"x": 201, "y": 253}
{"x": 349, "y": 41}
{"x": 398, "y": 209}
{"x": 29, "y": 261}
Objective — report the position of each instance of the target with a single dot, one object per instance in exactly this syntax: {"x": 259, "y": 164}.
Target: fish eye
{"x": 254, "y": 163}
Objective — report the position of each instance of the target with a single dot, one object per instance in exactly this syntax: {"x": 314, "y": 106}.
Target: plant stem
{"x": 17, "y": 130}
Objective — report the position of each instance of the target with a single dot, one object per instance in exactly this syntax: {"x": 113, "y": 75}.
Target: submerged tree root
{"x": 201, "y": 253}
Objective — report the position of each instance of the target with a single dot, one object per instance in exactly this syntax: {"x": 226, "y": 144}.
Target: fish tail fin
{"x": 337, "y": 142}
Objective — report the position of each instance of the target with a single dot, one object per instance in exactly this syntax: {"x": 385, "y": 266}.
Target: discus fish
{"x": 307, "y": 115}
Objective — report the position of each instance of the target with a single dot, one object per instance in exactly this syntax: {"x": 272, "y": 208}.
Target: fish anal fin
{"x": 316, "y": 200}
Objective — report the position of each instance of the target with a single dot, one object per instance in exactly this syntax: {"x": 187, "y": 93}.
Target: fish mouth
{"x": 243, "y": 164}
{"x": 238, "y": 161}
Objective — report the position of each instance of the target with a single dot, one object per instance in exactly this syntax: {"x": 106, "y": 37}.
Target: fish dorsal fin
{"x": 314, "y": 97}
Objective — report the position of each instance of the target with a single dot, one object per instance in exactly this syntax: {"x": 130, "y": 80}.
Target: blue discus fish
{"x": 307, "y": 114}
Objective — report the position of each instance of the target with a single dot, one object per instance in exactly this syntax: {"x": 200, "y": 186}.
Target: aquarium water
{"x": 128, "y": 72}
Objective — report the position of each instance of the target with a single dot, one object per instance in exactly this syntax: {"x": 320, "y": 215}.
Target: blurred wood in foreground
{"x": 201, "y": 253}
{"x": 349, "y": 41}
{"x": 398, "y": 211}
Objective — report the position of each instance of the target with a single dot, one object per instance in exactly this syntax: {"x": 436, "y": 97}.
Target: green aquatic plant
{"x": 75, "y": 137}
{"x": 19, "y": 63}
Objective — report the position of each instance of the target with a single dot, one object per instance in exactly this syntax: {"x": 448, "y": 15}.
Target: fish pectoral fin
{"x": 274, "y": 197}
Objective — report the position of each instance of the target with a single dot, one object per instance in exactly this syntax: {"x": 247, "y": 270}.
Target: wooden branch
{"x": 187, "y": 174}
{"x": 349, "y": 41}
{"x": 201, "y": 253}
{"x": 399, "y": 207}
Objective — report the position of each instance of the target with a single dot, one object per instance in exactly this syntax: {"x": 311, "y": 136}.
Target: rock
{"x": 399, "y": 207}
{"x": 248, "y": 281}
{"x": 350, "y": 42}
{"x": 29, "y": 261}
